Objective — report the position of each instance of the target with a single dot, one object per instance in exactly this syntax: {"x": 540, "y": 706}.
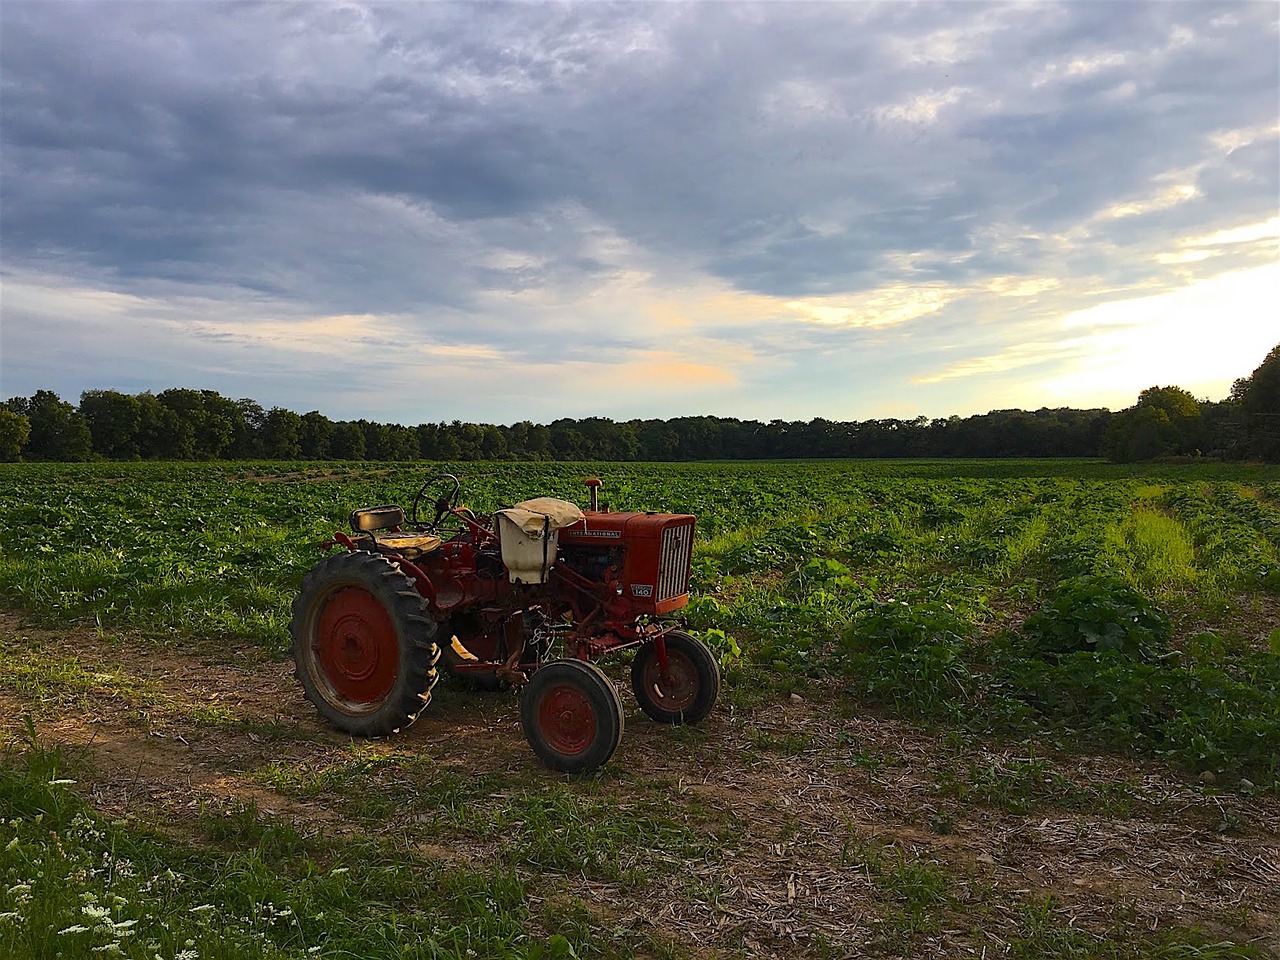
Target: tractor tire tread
{"x": 599, "y": 689}
{"x": 704, "y": 663}
{"x": 417, "y": 674}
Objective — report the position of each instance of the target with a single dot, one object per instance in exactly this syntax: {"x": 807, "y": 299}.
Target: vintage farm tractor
{"x": 528, "y": 598}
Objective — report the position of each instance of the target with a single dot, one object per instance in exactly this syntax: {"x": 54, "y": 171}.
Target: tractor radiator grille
{"x": 673, "y": 565}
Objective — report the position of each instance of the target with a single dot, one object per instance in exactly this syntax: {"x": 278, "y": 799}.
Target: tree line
{"x": 185, "y": 424}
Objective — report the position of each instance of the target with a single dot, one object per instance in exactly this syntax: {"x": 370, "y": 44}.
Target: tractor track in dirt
{"x": 801, "y": 817}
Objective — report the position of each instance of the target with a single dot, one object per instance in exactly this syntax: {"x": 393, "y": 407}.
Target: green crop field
{"x": 1000, "y": 708}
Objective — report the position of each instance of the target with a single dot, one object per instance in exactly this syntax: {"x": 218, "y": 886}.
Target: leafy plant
{"x": 907, "y": 622}
{"x": 1099, "y": 614}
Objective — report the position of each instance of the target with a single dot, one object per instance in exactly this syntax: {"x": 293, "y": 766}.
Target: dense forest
{"x": 184, "y": 424}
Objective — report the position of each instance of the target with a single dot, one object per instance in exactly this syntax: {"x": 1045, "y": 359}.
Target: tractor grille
{"x": 673, "y": 565}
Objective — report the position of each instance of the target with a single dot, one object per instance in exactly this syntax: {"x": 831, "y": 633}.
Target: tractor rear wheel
{"x": 692, "y": 684}
{"x": 572, "y": 716}
{"x": 363, "y": 645}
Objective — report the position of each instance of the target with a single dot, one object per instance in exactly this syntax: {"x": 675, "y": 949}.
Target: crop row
{"x": 1002, "y": 596}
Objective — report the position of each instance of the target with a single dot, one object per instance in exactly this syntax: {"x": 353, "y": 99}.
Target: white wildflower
{"x": 76, "y": 928}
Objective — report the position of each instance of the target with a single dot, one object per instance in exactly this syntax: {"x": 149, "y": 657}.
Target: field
{"x": 992, "y": 709}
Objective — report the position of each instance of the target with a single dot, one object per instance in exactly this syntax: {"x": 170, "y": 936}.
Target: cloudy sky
{"x": 425, "y": 212}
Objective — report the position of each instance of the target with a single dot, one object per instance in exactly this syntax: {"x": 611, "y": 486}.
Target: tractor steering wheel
{"x": 448, "y": 488}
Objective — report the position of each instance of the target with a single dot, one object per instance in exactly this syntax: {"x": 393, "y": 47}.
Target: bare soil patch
{"x": 826, "y": 814}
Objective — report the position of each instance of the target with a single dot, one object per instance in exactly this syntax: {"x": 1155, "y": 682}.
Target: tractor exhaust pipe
{"x": 594, "y": 485}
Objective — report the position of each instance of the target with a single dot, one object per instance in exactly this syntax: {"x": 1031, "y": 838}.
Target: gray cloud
{"x": 421, "y": 160}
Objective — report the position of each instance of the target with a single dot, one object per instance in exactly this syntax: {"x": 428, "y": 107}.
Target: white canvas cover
{"x": 531, "y": 515}
{"x": 528, "y": 534}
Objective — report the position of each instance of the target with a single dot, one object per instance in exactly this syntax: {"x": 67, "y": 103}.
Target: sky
{"x": 491, "y": 212}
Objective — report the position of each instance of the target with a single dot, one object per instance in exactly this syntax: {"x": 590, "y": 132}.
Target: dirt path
{"x": 831, "y": 829}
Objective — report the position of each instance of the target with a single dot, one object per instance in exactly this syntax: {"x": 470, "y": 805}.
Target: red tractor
{"x": 529, "y": 597}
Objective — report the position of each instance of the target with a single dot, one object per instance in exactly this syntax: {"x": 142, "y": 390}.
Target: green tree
{"x": 568, "y": 443}
{"x": 401, "y": 442}
{"x": 58, "y": 431}
{"x": 162, "y": 434}
{"x": 1258, "y": 400}
{"x": 376, "y": 440}
{"x": 347, "y": 441}
{"x": 248, "y": 420}
{"x": 428, "y": 435}
{"x": 1164, "y": 422}
{"x": 436, "y": 442}
{"x": 113, "y": 420}
{"x": 493, "y": 443}
{"x": 282, "y": 435}
{"x": 14, "y": 431}
{"x": 209, "y": 421}
{"x": 317, "y": 429}
{"x": 538, "y": 441}
{"x": 467, "y": 438}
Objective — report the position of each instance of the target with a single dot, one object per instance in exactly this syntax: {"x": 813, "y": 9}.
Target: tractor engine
{"x": 643, "y": 558}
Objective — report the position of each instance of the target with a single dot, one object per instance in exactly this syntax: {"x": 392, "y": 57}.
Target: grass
{"x": 1026, "y": 784}
{"x": 579, "y": 830}
{"x": 247, "y": 886}
{"x": 1076, "y": 605}
{"x": 1152, "y": 550}
{"x": 1041, "y": 935}
{"x": 53, "y": 683}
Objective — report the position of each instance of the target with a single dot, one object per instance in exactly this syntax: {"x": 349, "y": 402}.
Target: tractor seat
{"x": 411, "y": 540}
{"x": 408, "y": 543}
{"x": 377, "y": 524}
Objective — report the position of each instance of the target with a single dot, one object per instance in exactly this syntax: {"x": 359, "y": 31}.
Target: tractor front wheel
{"x": 688, "y": 691}
{"x": 363, "y": 645}
{"x": 572, "y": 716}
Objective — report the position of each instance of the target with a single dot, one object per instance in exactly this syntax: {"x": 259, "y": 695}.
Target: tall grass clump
{"x": 1151, "y": 550}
